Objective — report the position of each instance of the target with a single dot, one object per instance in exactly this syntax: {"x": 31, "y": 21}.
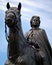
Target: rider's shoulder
{"x": 42, "y": 30}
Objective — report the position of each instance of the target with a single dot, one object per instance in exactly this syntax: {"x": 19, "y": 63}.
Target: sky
{"x": 41, "y": 8}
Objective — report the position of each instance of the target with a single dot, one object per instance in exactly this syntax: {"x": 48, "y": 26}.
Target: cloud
{"x": 45, "y": 5}
{"x": 3, "y": 7}
{"x": 39, "y": 5}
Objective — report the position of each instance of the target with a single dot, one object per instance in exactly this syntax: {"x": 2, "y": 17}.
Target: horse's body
{"x": 19, "y": 52}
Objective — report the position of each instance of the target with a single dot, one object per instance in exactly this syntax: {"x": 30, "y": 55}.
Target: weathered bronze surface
{"x": 37, "y": 37}
{"x": 20, "y": 50}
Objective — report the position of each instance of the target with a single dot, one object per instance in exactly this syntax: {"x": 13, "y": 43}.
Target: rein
{"x": 6, "y": 35}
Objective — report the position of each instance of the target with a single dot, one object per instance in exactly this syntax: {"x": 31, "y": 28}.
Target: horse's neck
{"x": 19, "y": 37}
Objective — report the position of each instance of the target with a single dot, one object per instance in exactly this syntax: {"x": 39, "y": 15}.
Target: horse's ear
{"x": 19, "y": 6}
{"x": 8, "y": 5}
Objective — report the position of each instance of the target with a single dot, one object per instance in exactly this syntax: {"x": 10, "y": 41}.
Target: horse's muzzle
{"x": 8, "y": 22}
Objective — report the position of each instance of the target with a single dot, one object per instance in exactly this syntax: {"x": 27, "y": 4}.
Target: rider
{"x": 37, "y": 37}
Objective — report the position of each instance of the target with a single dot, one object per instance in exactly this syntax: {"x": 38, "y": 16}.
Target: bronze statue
{"x": 19, "y": 50}
{"x": 37, "y": 37}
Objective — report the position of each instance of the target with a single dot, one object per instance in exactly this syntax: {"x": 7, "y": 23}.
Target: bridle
{"x": 15, "y": 22}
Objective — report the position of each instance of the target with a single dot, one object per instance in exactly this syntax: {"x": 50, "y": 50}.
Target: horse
{"x": 19, "y": 51}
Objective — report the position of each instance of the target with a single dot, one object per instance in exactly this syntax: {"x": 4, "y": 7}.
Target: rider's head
{"x": 35, "y": 21}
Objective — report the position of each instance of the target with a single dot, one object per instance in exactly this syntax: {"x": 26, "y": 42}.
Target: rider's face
{"x": 35, "y": 21}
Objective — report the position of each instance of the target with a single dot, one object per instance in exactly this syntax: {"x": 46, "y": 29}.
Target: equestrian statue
{"x": 19, "y": 51}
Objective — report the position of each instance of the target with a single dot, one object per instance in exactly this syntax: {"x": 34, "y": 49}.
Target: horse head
{"x": 12, "y": 16}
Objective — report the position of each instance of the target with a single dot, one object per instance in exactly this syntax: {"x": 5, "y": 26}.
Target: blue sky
{"x": 42, "y": 8}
